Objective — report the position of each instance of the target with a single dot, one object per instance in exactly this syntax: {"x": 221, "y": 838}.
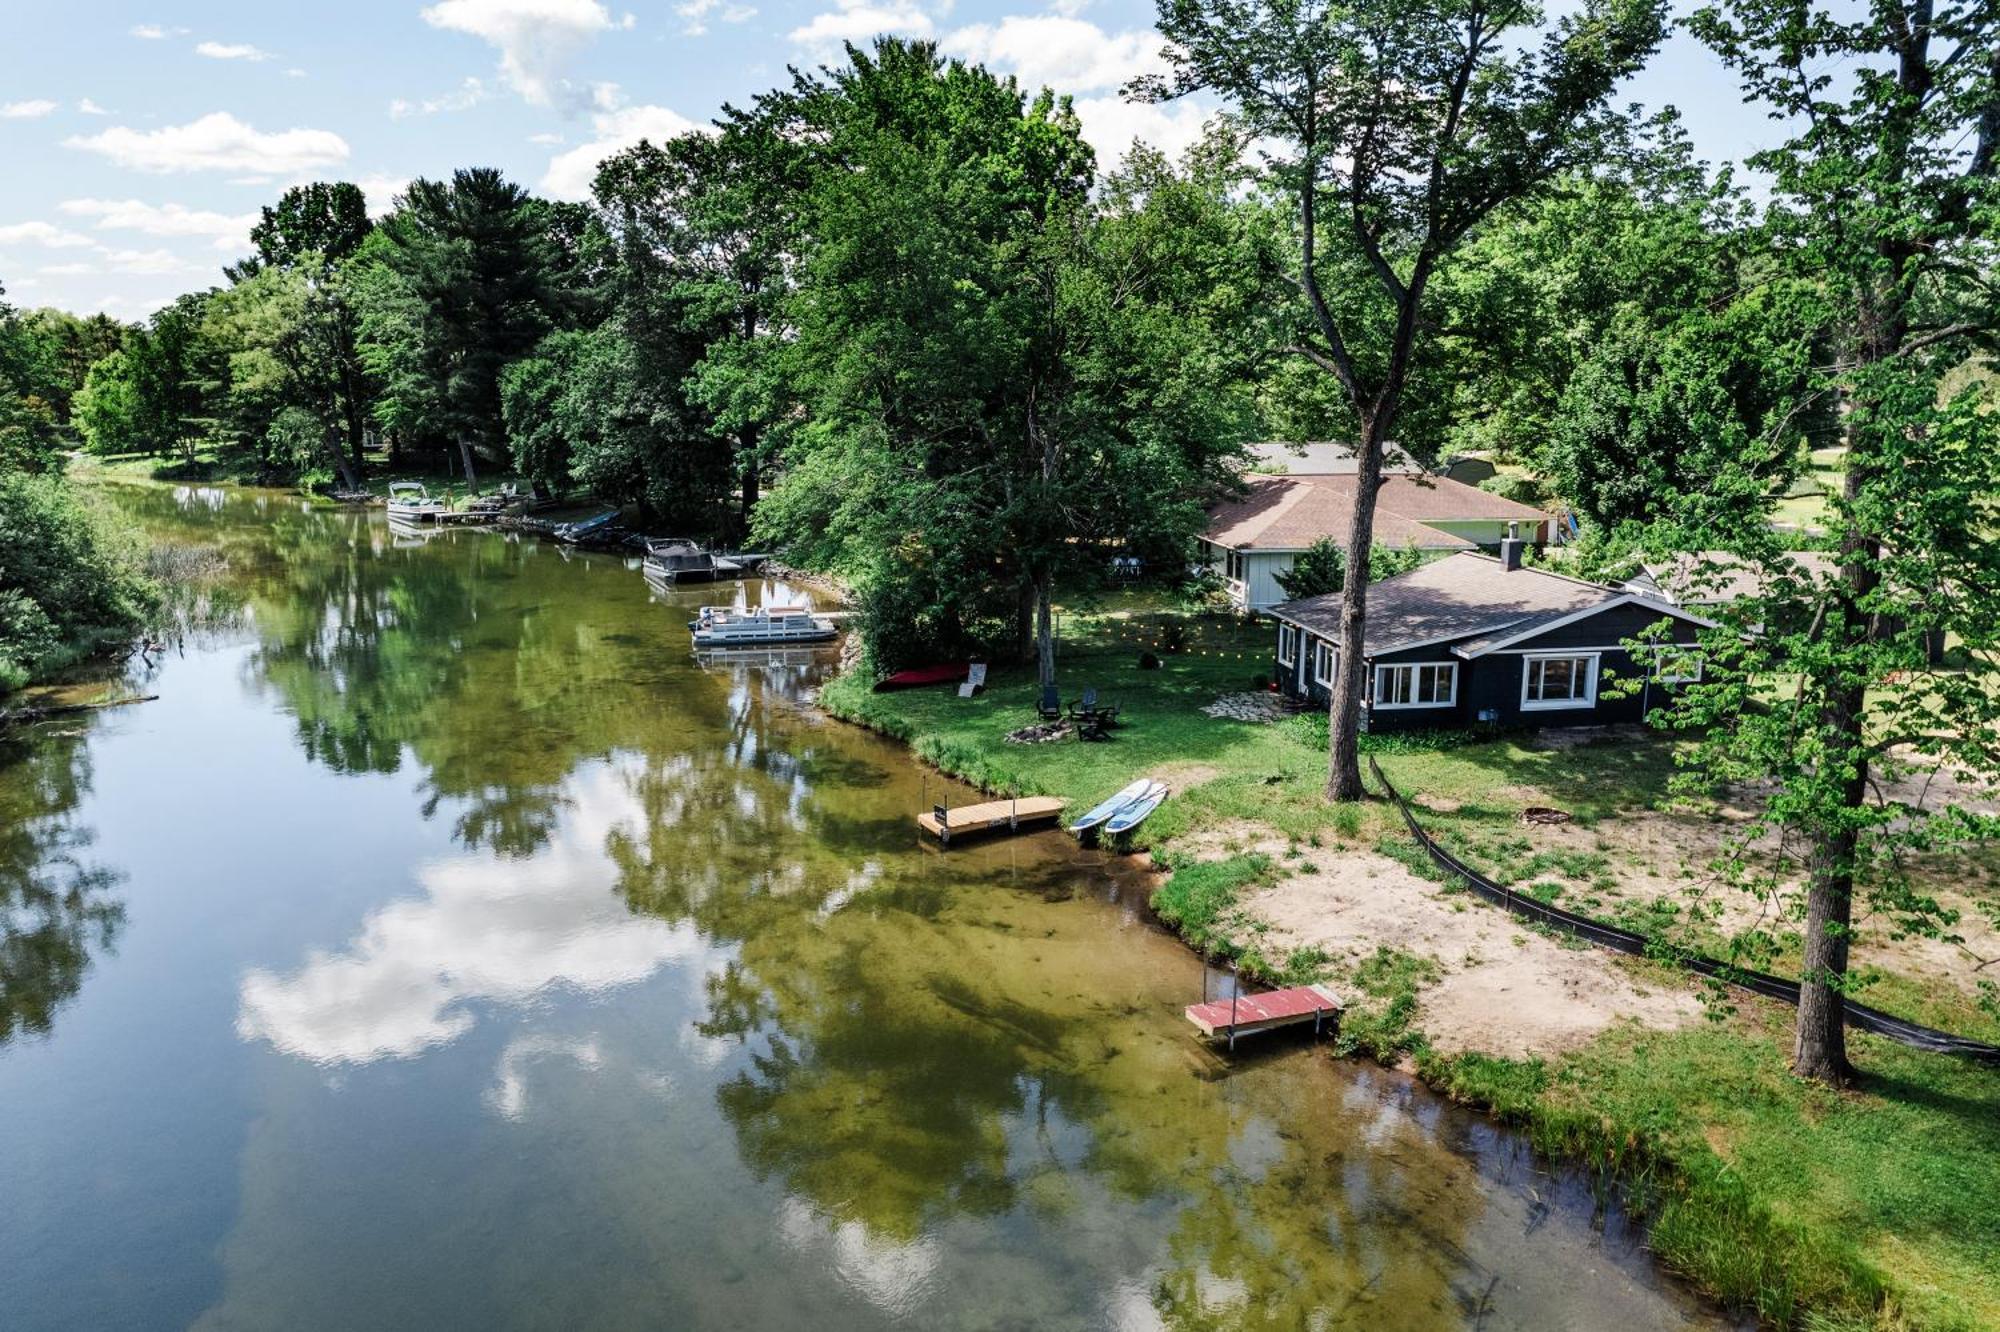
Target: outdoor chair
{"x": 1050, "y": 708}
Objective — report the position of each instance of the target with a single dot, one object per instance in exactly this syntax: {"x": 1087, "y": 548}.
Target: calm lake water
{"x": 448, "y": 948}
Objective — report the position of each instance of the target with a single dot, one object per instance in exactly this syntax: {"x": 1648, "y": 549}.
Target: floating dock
{"x": 1246, "y": 1014}
{"x": 992, "y": 816}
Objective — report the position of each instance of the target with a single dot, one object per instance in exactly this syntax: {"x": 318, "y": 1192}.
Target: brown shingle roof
{"x": 1467, "y": 599}
{"x": 1717, "y": 577}
{"x": 1292, "y": 512}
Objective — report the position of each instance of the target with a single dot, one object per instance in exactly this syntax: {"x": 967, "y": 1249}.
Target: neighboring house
{"x": 1716, "y": 577}
{"x": 1712, "y": 579}
{"x": 1327, "y": 458}
{"x": 1253, "y": 538}
{"x": 1472, "y": 638}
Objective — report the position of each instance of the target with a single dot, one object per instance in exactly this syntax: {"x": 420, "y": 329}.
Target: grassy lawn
{"x": 1873, "y": 1208}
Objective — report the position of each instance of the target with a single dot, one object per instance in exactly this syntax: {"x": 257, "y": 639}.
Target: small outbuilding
{"x": 1475, "y": 639}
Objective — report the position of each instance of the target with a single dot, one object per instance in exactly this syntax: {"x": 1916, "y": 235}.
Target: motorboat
{"x": 676, "y": 560}
{"x": 584, "y": 528}
{"x": 735, "y": 626}
{"x": 409, "y": 501}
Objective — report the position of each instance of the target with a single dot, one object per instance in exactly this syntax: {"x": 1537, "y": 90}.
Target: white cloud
{"x": 149, "y": 263}
{"x": 537, "y": 39}
{"x": 226, "y": 231}
{"x": 153, "y": 32}
{"x": 45, "y": 234}
{"x": 569, "y": 174}
{"x": 545, "y": 140}
{"x": 468, "y": 94}
{"x": 295, "y": 73}
{"x": 1066, "y": 54}
{"x": 698, "y": 12}
{"x": 1110, "y": 124}
{"x": 216, "y": 142}
{"x": 231, "y": 51}
{"x": 29, "y": 110}
{"x": 381, "y": 190}
{"x": 858, "y": 20}
{"x": 90, "y": 108}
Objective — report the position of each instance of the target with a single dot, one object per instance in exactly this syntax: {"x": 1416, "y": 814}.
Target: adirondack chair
{"x": 1050, "y": 707}
{"x": 1105, "y": 715}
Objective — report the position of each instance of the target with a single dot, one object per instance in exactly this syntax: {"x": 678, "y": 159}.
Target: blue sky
{"x": 137, "y": 140}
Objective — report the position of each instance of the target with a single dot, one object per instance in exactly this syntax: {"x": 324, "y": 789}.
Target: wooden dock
{"x": 1246, "y": 1014}
{"x": 991, "y": 816}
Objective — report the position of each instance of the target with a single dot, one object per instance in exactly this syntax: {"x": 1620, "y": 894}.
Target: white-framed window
{"x": 1675, "y": 664}
{"x": 1417, "y": 684}
{"x": 1326, "y": 662}
{"x": 1233, "y": 566}
{"x": 1288, "y": 645}
{"x": 1558, "y": 680}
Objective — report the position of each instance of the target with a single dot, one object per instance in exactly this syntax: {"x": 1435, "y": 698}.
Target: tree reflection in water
{"x": 931, "y": 1040}
{"x": 55, "y": 907}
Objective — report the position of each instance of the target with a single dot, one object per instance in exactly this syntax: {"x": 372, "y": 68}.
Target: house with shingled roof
{"x": 1253, "y": 537}
{"x": 1481, "y": 640}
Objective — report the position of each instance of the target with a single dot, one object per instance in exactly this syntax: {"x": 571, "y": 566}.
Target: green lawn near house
{"x": 1869, "y": 1208}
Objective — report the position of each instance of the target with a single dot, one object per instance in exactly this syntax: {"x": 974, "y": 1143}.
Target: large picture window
{"x": 1288, "y": 645}
{"x": 1564, "y": 681}
{"x": 1423, "y": 684}
{"x": 1326, "y": 662}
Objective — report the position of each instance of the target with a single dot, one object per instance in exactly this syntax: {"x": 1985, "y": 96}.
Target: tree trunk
{"x": 1343, "y": 778}
{"x": 349, "y": 477}
{"x": 1820, "y": 1050}
{"x": 751, "y": 479}
{"x": 357, "y": 430}
{"x": 465, "y": 455}
{"x": 1024, "y": 620}
{"x": 1045, "y": 638}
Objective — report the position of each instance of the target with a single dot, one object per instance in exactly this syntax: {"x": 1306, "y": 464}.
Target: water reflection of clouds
{"x": 509, "y": 1093}
{"x": 487, "y": 929}
{"x": 898, "y": 1279}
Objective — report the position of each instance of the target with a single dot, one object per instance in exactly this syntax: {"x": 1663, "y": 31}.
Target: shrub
{"x": 70, "y": 577}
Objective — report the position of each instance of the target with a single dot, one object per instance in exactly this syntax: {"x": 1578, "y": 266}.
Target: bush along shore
{"x": 1872, "y": 1207}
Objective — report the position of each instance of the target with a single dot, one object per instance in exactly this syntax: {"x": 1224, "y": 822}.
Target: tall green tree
{"x": 162, "y": 391}
{"x": 988, "y": 368}
{"x": 707, "y": 227}
{"x": 1628, "y": 336}
{"x": 29, "y": 425}
{"x": 1405, "y": 125}
{"x": 312, "y": 231}
{"x": 328, "y": 219}
{"x": 290, "y": 340}
{"x": 1885, "y": 193}
{"x": 459, "y": 280}
{"x": 62, "y": 348}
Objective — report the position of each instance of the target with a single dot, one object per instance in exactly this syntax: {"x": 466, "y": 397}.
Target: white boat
{"x": 731, "y": 626}
{"x": 409, "y": 501}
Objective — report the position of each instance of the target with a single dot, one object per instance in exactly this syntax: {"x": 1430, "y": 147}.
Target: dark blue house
{"x": 1477, "y": 640}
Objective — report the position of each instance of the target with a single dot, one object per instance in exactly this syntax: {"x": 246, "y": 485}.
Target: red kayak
{"x": 919, "y": 676}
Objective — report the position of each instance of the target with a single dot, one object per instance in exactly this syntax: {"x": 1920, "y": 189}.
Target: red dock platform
{"x": 1247, "y": 1013}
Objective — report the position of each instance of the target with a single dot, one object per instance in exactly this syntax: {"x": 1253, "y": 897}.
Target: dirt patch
{"x": 1667, "y": 856}
{"x": 1505, "y": 990}
{"x": 1230, "y": 837}
{"x": 1183, "y": 777}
